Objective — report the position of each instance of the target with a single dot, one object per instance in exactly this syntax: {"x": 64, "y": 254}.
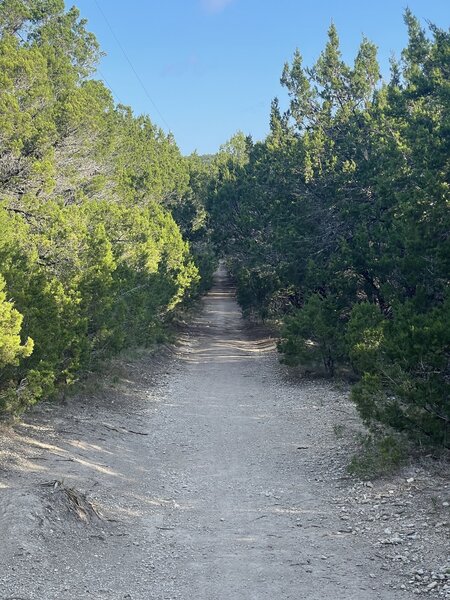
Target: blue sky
{"x": 212, "y": 67}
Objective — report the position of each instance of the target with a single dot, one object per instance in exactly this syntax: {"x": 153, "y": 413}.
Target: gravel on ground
{"x": 211, "y": 473}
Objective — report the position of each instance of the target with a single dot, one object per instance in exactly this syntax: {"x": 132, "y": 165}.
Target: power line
{"x": 109, "y": 86}
{"x": 132, "y": 66}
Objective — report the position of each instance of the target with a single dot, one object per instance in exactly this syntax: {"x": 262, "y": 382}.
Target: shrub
{"x": 406, "y": 370}
{"x": 378, "y": 455}
{"x": 314, "y": 334}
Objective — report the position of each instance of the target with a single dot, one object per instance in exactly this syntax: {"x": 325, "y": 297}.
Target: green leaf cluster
{"x": 337, "y": 225}
{"x": 101, "y": 218}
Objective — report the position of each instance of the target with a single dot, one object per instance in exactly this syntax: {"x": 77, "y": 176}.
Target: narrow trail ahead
{"x": 205, "y": 477}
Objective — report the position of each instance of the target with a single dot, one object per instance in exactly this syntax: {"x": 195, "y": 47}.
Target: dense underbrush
{"x": 103, "y": 232}
{"x": 337, "y": 227}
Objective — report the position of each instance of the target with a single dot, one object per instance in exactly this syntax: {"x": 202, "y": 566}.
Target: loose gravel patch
{"x": 212, "y": 474}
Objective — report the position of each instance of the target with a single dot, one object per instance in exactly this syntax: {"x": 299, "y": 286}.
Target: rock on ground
{"x": 211, "y": 474}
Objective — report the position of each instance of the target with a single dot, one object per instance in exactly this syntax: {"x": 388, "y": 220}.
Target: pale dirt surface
{"x": 212, "y": 475}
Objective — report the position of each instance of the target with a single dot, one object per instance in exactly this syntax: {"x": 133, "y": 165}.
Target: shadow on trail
{"x": 220, "y": 334}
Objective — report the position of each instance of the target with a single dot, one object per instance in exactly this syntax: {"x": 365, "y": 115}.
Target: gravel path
{"x": 198, "y": 478}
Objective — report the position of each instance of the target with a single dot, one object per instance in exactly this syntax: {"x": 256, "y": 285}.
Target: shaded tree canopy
{"x": 91, "y": 257}
{"x": 337, "y": 225}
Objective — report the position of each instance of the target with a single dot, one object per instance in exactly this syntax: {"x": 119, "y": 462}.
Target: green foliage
{"x": 314, "y": 334}
{"x": 338, "y": 225}
{"x": 255, "y": 290}
{"x": 91, "y": 255}
{"x": 11, "y": 347}
{"x": 378, "y": 455}
{"x": 405, "y": 380}
{"x": 364, "y": 336}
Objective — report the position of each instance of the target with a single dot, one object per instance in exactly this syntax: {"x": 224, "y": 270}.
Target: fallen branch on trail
{"x": 123, "y": 430}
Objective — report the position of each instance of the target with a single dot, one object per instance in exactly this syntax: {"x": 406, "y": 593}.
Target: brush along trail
{"x": 206, "y": 474}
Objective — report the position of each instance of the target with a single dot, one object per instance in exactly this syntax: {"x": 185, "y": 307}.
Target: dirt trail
{"x": 204, "y": 472}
